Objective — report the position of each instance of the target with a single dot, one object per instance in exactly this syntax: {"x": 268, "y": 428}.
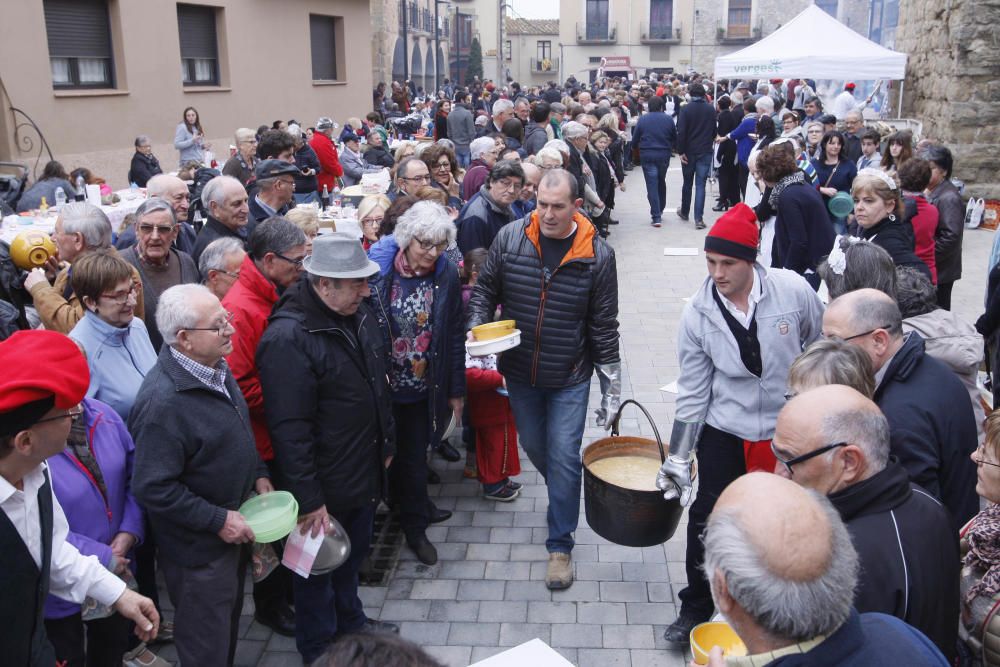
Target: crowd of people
{"x": 218, "y": 346}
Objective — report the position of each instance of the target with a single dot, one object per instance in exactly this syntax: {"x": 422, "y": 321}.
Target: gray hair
{"x": 551, "y": 153}
{"x": 152, "y": 205}
{"x": 142, "y": 140}
{"x": 871, "y": 312}
{"x": 765, "y": 104}
{"x": 295, "y": 130}
{"x": 244, "y": 134}
{"x": 275, "y": 235}
{"x": 174, "y": 311}
{"x": 557, "y": 144}
{"x": 427, "y": 221}
{"x": 501, "y": 106}
{"x": 811, "y": 123}
{"x": 832, "y": 361}
{"x": 790, "y": 610}
{"x": 868, "y": 429}
{"x": 213, "y": 257}
{"x": 867, "y": 265}
{"x": 915, "y": 293}
{"x": 573, "y": 130}
{"x": 90, "y": 222}
{"x": 214, "y": 190}
{"x": 157, "y": 185}
{"x": 447, "y": 143}
{"x": 480, "y": 146}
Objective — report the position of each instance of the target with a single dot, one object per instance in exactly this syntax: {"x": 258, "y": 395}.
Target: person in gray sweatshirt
{"x": 461, "y": 128}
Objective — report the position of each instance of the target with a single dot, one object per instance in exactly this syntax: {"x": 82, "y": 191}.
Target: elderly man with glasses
{"x": 490, "y": 209}
{"x": 275, "y": 190}
{"x": 738, "y": 337}
{"x": 833, "y": 440}
{"x": 411, "y": 175}
{"x": 196, "y": 465}
{"x": 241, "y": 165}
{"x": 932, "y": 427}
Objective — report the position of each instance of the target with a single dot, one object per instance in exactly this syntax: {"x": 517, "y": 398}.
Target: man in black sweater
{"x": 695, "y": 142}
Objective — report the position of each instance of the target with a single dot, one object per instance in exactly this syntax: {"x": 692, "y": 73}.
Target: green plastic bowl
{"x": 271, "y": 516}
{"x": 841, "y": 204}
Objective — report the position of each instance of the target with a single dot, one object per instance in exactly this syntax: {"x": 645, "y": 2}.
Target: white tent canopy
{"x": 813, "y": 45}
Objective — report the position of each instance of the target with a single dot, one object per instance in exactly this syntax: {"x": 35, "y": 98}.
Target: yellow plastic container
{"x": 493, "y": 330}
{"x": 715, "y": 633}
{"x": 31, "y": 249}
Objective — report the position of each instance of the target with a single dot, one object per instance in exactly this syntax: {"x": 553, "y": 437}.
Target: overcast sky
{"x": 536, "y": 9}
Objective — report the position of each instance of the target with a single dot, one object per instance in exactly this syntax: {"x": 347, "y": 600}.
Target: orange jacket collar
{"x": 583, "y": 243}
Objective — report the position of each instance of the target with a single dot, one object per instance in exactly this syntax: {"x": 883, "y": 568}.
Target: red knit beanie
{"x": 735, "y": 234}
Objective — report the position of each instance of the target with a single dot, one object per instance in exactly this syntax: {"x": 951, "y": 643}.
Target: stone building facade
{"x": 953, "y": 82}
{"x": 404, "y": 49}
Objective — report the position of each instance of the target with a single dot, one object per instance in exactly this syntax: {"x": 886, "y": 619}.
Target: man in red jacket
{"x": 326, "y": 151}
{"x": 274, "y": 261}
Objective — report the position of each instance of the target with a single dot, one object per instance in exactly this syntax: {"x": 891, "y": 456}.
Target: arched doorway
{"x": 417, "y": 67}
{"x": 429, "y": 71}
{"x": 399, "y": 61}
{"x": 443, "y": 64}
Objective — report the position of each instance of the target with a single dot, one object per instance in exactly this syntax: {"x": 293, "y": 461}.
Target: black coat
{"x": 803, "y": 235}
{"x": 143, "y": 168}
{"x": 604, "y": 184}
{"x": 198, "y": 459}
{"x": 696, "y": 128}
{"x": 326, "y": 401}
{"x": 379, "y": 157}
{"x": 576, "y": 168}
{"x": 948, "y": 237}
{"x": 932, "y": 427}
{"x": 212, "y": 230}
{"x": 907, "y": 553}
{"x": 568, "y": 323}
{"x": 896, "y": 238}
{"x": 480, "y": 220}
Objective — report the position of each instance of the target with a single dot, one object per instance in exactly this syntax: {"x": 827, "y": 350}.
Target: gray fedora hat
{"x": 339, "y": 255}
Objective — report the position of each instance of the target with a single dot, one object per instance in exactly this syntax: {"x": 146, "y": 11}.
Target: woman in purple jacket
{"x": 92, "y": 480}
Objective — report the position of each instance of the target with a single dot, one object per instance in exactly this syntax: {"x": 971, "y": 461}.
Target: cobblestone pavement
{"x": 487, "y": 592}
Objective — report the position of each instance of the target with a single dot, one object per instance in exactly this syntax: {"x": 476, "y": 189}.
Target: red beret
{"x": 850, "y": 85}
{"x": 38, "y": 365}
{"x": 735, "y": 234}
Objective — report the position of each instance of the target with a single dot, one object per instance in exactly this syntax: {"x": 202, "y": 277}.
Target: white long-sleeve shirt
{"x": 72, "y": 576}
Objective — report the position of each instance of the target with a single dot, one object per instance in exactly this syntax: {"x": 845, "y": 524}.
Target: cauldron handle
{"x": 656, "y": 432}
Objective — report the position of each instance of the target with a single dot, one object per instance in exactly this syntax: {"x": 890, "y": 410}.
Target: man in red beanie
{"x": 738, "y": 337}
{"x": 45, "y": 378}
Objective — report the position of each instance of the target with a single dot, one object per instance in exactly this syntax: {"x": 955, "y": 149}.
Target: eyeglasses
{"x": 805, "y": 457}
{"x": 980, "y": 458}
{"x": 443, "y": 165}
{"x": 73, "y": 414}
{"x": 162, "y": 229}
{"x": 235, "y": 275}
{"x": 860, "y": 335}
{"x": 296, "y": 262}
{"x": 220, "y": 328}
{"x": 122, "y": 297}
{"x": 428, "y": 245}
{"x": 423, "y": 178}
{"x": 371, "y": 222}
{"x": 513, "y": 186}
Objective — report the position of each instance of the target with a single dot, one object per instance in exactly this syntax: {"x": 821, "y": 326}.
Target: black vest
{"x": 23, "y": 641}
{"x": 746, "y": 338}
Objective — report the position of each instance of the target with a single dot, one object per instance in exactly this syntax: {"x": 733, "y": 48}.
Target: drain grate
{"x": 387, "y": 538}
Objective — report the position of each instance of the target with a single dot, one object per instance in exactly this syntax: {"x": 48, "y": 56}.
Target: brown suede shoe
{"x": 560, "y": 572}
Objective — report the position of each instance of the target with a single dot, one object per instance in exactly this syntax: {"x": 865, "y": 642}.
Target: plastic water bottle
{"x": 60, "y": 196}
{"x": 337, "y": 199}
{"x": 81, "y": 189}
{"x": 133, "y": 190}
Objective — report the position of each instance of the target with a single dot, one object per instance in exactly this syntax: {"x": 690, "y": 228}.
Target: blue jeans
{"x": 695, "y": 171}
{"x": 463, "y": 156}
{"x": 654, "y": 170}
{"x": 327, "y": 605}
{"x": 550, "y": 425}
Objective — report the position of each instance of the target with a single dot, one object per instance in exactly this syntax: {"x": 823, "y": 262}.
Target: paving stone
{"x": 425, "y": 633}
{"x": 599, "y": 571}
{"x": 621, "y": 591}
{"x": 248, "y": 652}
{"x": 451, "y": 610}
{"x": 468, "y": 569}
{"x": 527, "y": 552}
{"x": 645, "y": 572}
{"x": 480, "y": 590}
{"x": 254, "y": 631}
{"x": 487, "y": 518}
{"x": 504, "y": 611}
{"x": 530, "y": 520}
{"x": 605, "y": 658}
{"x": 281, "y": 643}
{"x": 279, "y": 659}
{"x": 654, "y": 613}
{"x": 399, "y": 589}
{"x": 659, "y": 593}
{"x": 508, "y": 571}
{"x": 474, "y": 634}
{"x": 551, "y": 612}
{"x": 656, "y": 658}
{"x": 576, "y": 635}
{"x": 469, "y": 534}
{"x": 527, "y": 590}
{"x": 493, "y": 552}
{"x": 512, "y": 634}
{"x": 510, "y": 535}
{"x": 450, "y": 656}
{"x": 483, "y": 652}
{"x": 628, "y": 636}
{"x": 580, "y": 591}
{"x": 603, "y": 613}
{"x": 586, "y": 553}
{"x": 405, "y": 610}
{"x": 614, "y": 553}
{"x": 435, "y": 589}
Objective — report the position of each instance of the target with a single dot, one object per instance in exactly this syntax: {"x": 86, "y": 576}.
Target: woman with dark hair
{"x": 445, "y": 174}
{"x": 802, "y": 236}
{"x": 90, "y": 178}
{"x": 919, "y": 213}
{"x": 725, "y": 156}
{"x": 189, "y": 138}
{"x": 951, "y": 221}
{"x": 441, "y": 120}
{"x": 513, "y": 134}
{"x": 834, "y": 173}
{"x": 766, "y": 132}
{"x": 53, "y": 176}
{"x": 899, "y": 149}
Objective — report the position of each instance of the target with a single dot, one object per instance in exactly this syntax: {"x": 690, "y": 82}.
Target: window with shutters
{"x": 79, "y": 36}
{"x": 199, "y": 45}
{"x": 323, "y": 36}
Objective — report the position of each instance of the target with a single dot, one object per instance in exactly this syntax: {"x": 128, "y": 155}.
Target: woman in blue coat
{"x": 834, "y": 173}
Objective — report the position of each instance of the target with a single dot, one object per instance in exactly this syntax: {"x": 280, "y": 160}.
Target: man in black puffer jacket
{"x": 558, "y": 281}
{"x": 322, "y": 363}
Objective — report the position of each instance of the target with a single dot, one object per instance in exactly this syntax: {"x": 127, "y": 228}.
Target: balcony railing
{"x": 596, "y": 33}
{"x": 545, "y": 65}
{"x": 738, "y": 33}
{"x": 657, "y": 33}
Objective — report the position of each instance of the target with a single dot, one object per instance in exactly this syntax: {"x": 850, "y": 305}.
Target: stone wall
{"x": 953, "y": 82}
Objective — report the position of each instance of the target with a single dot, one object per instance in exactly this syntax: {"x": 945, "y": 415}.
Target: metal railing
{"x": 596, "y": 33}
{"x": 545, "y": 65}
{"x": 658, "y": 33}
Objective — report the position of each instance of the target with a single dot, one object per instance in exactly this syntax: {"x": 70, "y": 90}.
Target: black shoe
{"x": 426, "y": 553}
{"x": 699, "y": 224}
{"x": 447, "y": 452}
{"x": 438, "y": 515}
{"x": 612, "y": 221}
{"x": 373, "y": 627}
{"x": 721, "y": 206}
{"x": 678, "y": 633}
{"x": 433, "y": 477}
{"x": 280, "y": 619}
{"x": 682, "y": 215}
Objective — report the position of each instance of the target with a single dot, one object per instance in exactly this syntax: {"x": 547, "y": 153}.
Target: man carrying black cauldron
{"x": 738, "y": 337}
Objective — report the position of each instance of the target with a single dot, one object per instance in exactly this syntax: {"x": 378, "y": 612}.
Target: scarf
{"x": 983, "y": 537}
{"x": 779, "y": 187}
{"x": 403, "y": 267}
{"x": 78, "y": 445}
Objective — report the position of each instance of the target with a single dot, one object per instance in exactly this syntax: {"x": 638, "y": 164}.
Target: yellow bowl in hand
{"x": 493, "y": 330}
{"x": 715, "y": 633}
{"x": 31, "y": 249}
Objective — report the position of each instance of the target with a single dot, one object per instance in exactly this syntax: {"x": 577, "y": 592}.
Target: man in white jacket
{"x": 738, "y": 337}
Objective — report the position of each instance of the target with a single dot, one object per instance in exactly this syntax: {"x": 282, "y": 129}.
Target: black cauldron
{"x": 626, "y": 516}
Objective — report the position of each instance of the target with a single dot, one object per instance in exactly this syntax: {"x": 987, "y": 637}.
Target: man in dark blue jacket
{"x": 932, "y": 427}
{"x": 655, "y": 135}
{"x": 695, "y": 141}
{"x": 490, "y": 208}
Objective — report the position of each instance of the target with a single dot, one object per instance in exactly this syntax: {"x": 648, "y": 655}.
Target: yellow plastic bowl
{"x": 715, "y": 633}
{"x": 493, "y": 330}
{"x": 31, "y": 249}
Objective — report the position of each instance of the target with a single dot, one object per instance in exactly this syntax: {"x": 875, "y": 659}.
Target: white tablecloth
{"x": 15, "y": 224}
